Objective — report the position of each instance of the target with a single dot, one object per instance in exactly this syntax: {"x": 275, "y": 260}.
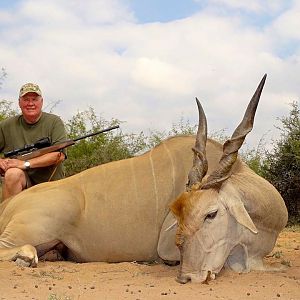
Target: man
{"x": 26, "y": 129}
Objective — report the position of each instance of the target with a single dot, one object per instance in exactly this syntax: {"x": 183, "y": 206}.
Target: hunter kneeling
{"x": 26, "y": 129}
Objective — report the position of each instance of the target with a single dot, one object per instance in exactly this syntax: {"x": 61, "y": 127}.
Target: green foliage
{"x": 6, "y": 109}
{"x": 282, "y": 166}
{"x": 219, "y": 136}
{"x": 181, "y": 128}
{"x": 254, "y": 157}
{"x": 99, "y": 149}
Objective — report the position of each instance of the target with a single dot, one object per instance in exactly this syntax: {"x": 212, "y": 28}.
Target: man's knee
{"x": 15, "y": 181}
{"x": 15, "y": 176}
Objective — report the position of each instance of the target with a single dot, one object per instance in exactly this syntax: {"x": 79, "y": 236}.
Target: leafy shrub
{"x": 99, "y": 149}
{"x": 282, "y": 166}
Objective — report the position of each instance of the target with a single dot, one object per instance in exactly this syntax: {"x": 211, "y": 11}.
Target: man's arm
{"x": 45, "y": 160}
{"x": 3, "y": 166}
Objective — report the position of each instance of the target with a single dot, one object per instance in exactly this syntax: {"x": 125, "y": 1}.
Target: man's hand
{"x": 3, "y": 165}
{"x": 7, "y": 163}
{"x": 15, "y": 163}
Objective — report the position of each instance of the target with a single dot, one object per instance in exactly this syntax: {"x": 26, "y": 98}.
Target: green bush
{"x": 282, "y": 166}
{"x": 6, "y": 107}
{"x": 99, "y": 149}
{"x": 254, "y": 157}
{"x": 6, "y": 110}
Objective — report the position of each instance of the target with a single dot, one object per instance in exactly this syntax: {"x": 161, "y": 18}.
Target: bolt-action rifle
{"x": 43, "y": 146}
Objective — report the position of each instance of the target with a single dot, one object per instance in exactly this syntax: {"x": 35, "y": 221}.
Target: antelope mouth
{"x": 183, "y": 279}
{"x": 205, "y": 277}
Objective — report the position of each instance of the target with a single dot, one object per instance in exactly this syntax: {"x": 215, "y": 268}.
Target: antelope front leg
{"x": 24, "y": 256}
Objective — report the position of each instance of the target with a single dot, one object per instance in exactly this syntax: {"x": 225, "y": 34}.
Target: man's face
{"x": 31, "y": 106}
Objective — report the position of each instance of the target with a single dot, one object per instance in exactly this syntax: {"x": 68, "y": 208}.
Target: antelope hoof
{"x": 26, "y": 257}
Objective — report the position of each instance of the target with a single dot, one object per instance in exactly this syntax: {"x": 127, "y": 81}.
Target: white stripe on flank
{"x": 173, "y": 170}
{"x": 134, "y": 179}
{"x": 105, "y": 184}
{"x": 155, "y": 187}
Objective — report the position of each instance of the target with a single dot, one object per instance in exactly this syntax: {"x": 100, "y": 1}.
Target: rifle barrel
{"x": 95, "y": 133}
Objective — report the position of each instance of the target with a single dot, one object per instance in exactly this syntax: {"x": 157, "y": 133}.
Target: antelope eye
{"x": 211, "y": 216}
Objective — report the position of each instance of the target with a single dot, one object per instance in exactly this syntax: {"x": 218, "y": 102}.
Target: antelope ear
{"x": 238, "y": 211}
{"x": 236, "y": 207}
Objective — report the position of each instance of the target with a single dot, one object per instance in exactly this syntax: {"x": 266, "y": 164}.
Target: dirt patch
{"x": 66, "y": 280}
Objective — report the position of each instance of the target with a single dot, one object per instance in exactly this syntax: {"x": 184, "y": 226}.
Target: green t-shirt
{"x": 15, "y": 133}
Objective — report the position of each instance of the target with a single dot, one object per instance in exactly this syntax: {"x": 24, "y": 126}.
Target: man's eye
{"x": 211, "y": 215}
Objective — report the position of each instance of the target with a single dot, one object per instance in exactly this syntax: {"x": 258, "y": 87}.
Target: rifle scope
{"x": 41, "y": 143}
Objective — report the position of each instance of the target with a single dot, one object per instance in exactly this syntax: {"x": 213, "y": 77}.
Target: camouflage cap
{"x": 30, "y": 88}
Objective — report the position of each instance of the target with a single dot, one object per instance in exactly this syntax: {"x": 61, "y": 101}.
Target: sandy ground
{"x": 66, "y": 280}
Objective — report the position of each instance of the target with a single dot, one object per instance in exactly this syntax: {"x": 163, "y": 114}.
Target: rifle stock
{"x": 42, "y": 151}
{"x": 39, "y": 152}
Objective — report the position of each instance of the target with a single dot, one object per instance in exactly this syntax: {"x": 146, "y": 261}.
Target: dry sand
{"x": 67, "y": 280}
